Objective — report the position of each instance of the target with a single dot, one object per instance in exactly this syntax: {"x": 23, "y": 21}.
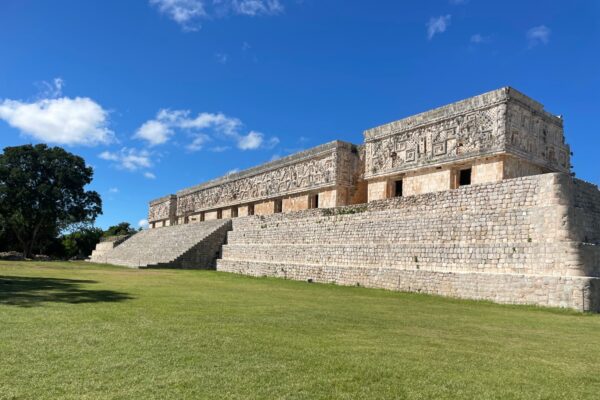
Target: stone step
{"x": 511, "y": 258}
{"x": 555, "y": 291}
{"x": 180, "y": 245}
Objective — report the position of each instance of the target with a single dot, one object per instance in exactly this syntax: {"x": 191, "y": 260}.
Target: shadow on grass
{"x": 31, "y": 291}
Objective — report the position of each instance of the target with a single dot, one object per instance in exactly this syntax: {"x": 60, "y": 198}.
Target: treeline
{"x": 44, "y": 205}
{"x": 78, "y": 244}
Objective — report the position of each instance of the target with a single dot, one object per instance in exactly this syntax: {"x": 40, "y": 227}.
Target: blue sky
{"x": 158, "y": 95}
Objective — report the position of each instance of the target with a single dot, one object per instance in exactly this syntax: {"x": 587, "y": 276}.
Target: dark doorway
{"x": 278, "y": 205}
{"x": 464, "y": 177}
{"x": 313, "y": 201}
{"x": 398, "y": 188}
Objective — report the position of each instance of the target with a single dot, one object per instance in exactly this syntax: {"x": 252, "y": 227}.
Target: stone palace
{"x": 474, "y": 200}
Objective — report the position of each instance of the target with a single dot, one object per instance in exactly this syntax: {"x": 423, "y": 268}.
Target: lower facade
{"x": 578, "y": 293}
{"x": 531, "y": 240}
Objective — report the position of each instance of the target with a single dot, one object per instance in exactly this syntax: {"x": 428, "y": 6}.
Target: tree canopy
{"x": 123, "y": 228}
{"x": 42, "y": 193}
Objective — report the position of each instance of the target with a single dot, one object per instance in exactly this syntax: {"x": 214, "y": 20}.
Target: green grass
{"x": 82, "y": 331}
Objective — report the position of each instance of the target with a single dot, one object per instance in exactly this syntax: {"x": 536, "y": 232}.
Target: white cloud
{"x": 480, "y": 39}
{"x": 113, "y": 190}
{"x": 64, "y": 121}
{"x": 233, "y": 171}
{"x": 149, "y": 175}
{"x": 202, "y": 129}
{"x": 129, "y": 159}
{"x": 143, "y": 223}
{"x": 437, "y": 25}
{"x": 255, "y": 140}
{"x": 252, "y": 140}
{"x": 189, "y": 13}
{"x": 154, "y": 132}
{"x": 538, "y": 35}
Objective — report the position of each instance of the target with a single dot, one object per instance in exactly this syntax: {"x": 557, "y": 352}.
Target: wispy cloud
{"x": 189, "y": 14}
{"x": 222, "y": 58}
{"x": 219, "y": 149}
{"x": 128, "y": 158}
{"x": 480, "y": 39}
{"x": 538, "y": 35}
{"x": 113, "y": 190}
{"x": 202, "y": 129}
{"x": 143, "y": 223}
{"x": 252, "y": 7}
{"x": 51, "y": 90}
{"x": 200, "y": 139}
{"x": 437, "y": 25}
{"x": 459, "y": 2}
{"x": 60, "y": 120}
{"x": 149, "y": 175}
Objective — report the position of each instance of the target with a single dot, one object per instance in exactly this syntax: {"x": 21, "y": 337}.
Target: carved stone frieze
{"x": 502, "y": 121}
{"x": 470, "y": 134}
{"x": 326, "y": 167}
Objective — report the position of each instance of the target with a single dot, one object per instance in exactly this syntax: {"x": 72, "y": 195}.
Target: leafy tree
{"x": 42, "y": 192}
{"x": 81, "y": 243}
{"x": 123, "y": 228}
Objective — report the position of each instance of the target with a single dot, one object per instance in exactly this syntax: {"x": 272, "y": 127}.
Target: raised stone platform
{"x": 181, "y": 246}
{"x": 532, "y": 240}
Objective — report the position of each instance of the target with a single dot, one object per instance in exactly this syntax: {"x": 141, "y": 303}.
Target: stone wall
{"x": 516, "y": 241}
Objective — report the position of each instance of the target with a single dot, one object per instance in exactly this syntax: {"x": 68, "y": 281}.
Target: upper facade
{"x": 324, "y": 176}
{"x": 497, "y": 135}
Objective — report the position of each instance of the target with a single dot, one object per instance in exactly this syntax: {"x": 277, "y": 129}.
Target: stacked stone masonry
{"x": 517, "y": 241}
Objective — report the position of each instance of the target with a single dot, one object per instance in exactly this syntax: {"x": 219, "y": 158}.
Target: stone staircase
{"x": 180, "y": 246}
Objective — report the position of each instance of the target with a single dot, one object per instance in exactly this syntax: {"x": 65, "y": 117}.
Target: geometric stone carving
{"x": 330, "y": 165}
{"x": 470, "y": 128}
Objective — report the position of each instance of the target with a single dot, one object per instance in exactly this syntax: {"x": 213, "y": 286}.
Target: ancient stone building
{"x": 498, "y": 135}
{"x": 472, "y": 200}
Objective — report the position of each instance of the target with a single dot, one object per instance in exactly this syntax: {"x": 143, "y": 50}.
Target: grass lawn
{"x": 82, "y": 331}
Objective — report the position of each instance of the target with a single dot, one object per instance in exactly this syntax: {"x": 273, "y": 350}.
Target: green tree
{"x": 82, "y": 242}
{"x": 42, "y": 192}
{"x": 123, "y": 228}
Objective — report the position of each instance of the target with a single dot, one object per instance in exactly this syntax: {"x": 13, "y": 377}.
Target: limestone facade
{"x": 324, "y": 176}
{"x": 498, "y": 135}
